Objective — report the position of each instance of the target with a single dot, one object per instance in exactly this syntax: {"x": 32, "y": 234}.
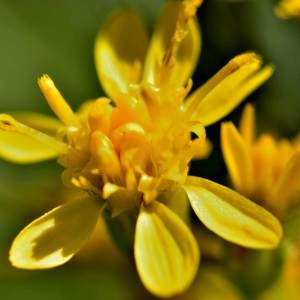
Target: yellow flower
{"x": 287, "y": 9}
{"x": 131, "y": 155}
{"x": 262, "y": 168}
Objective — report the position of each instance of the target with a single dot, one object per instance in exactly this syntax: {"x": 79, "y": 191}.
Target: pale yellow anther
{"x": 56, "y": 101}
{"x": 82, "y": 182}
{"x": 109, "y": 189}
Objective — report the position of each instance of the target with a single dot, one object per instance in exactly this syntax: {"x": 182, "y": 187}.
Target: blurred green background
{"x": 56, "y": 37}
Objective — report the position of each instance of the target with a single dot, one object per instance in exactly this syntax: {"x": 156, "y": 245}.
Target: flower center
{"x": 134, "y": 145}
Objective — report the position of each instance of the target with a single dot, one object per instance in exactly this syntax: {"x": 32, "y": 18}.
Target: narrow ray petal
{"x": 55, "y": 237}
{"x": 247, "y": 124}
{"x": 120, "y": 50}
{"x": 232, "y": 216}
{"x": 185, "y": 60}
{"x": 238, "y": 158}
{"x": 56, "y": 101}
{"x": 22, "y": 144}
{"x": 264, "y": 155}
{"x": 44, "y": 123}
{"x": 233, "y": 66}
{"x": 223, "y": 92}
{"x": 166, "y": 252}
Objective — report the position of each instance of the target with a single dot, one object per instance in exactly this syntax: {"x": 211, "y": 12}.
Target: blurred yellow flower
{"x": 131, "y": 155}
{"x": 262, "y": 168}
{"x": 288, "y": 9}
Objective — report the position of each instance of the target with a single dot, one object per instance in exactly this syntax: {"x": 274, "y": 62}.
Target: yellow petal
{"x": 238, "y": 159}
{"x": 22, "y": 144}
{"x": 247, "y": 124}
{"x": 232, "y": 216}
{"x": 224, "y": 91}
{"x": 120, "y": 50}
{"x": 38, "y": 121}
{"x": 166, "y": 252}
{"x": 55, "y": 237}
{"x": 264, "y": 156}
{"x": 185, "y": 59}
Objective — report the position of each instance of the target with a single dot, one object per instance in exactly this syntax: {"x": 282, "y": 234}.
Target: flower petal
{"x": 188, "y": 52}
{"x": 44, "y": 123}
{"x": 224, "y": 91}
{"x": 232, "y": 216}
{"x": 238, "y": 158}
{"x": 166, "y": 252}
{"x": 22, "y": 144}
{"x": 55, "y": 237}
{"x": 247, "y": 124}
{"x": 120, "y": 49}
{"x": 264, "y": 156}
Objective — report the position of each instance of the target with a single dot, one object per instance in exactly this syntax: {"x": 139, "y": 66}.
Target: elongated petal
{"x": 120, "y": 50}
{"x": 264, "y": 155}
{"x": 46, "y": 124}
{"x": 238, "y": 158}
{"x": 166, "y": 252}
{"x": 247, "y": 124}
{"x": 185, "y": 59}
{"x": 55, "y": 237}
{"x": 232, "y": 216}
{"x": 224, "y": 91}
{"x": 22, "y": 144}
{"x": 56, "y": 101}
